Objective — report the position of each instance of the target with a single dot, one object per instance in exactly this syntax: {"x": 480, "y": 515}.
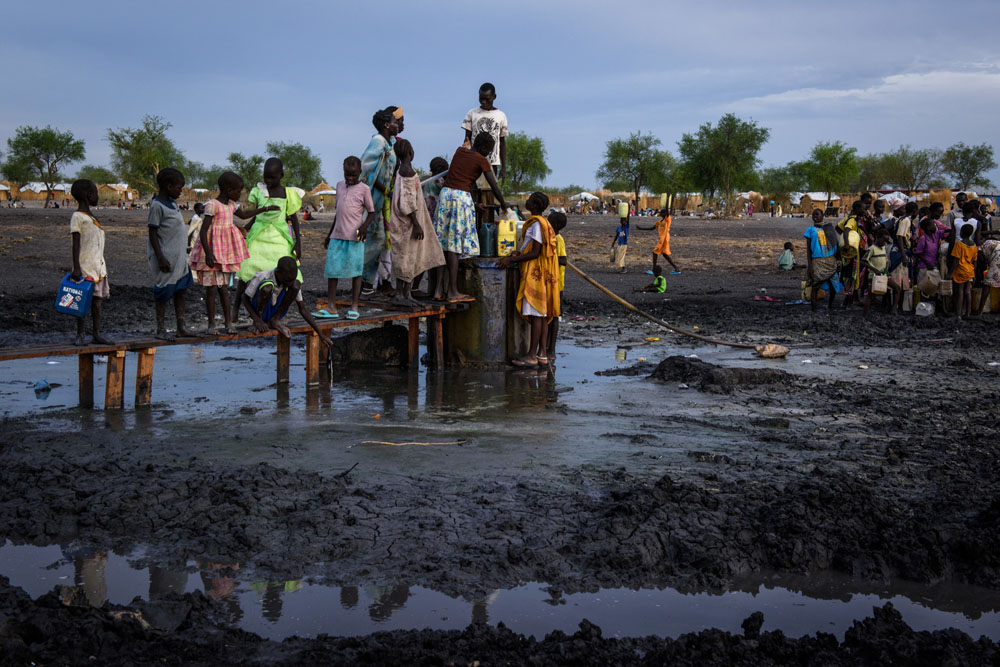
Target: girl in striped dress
{"x": 220, "y": 248}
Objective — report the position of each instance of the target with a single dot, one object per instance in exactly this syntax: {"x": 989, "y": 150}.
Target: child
{"x": 455, "y": 219}
{"x": 619, "y": 245}
{"x": 415, "y": 246}
{"x": 220, "y": 249}
{"x": 273, "y": 234}
{"x": 925, "y": 252}
{"x": 962, "y": 262}
{"x": 88, "y": 255}
{"x": 822, "y": 260}
{"x": 786, "y": 262}
{"x": 166, "y": 251}
{"x": 558, "y": 222}
{"x": 663, "y": 244}
{"x": 876, "y": 260}
{"x": 538, "y": 291}
{"x": 659, "y": 284}
{"x": 194, "y": 225}
{"x": 345, "y": 243}
{"x": 432, "y": 186}
{"x": 269, "y": 294}
{"x": 487, "y": 118}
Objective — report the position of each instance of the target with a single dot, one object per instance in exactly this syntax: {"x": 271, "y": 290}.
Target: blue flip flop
{"x": 675, "y": 273}
{"x": 353, "y": 314}
{"x": 324, "y": 314}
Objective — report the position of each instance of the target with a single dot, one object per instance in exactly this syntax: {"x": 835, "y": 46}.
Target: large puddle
{"x": 277, "y": 609}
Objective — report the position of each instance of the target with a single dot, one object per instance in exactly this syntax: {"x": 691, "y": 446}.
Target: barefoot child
{"x": 88, "y": 255}
{"x": 876, "y": 260}
{"x": 275, "y": 233}
{"x": 415, "y": 246}
{"x": 786, "y": 262}
{"x": 538, "y": 291}
{"x": 659, "y": 284}
{"x": 166, "y": 251}
{"x": 220, "y": 249}
{"x": 455, "y": 220}
{"x": 269, "y": 294}
{"x": 962, "y": 262}
{"x": 345, "y": 243}
{"x": 558, "y": 222}
{"x": 662, "y": 228}
{"x": 822, "y": 259}
{"x": 194, "y": 225}
{"x": 619, "y": 245}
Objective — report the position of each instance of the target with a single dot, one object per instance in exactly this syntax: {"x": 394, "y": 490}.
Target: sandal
{"x": 353, "y": 314}
{"x": 520, "y": 363}
{"x": 542, "y": 361}
{"x": 324, "y": 314}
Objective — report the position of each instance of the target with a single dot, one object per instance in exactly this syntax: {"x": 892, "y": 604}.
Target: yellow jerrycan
{"x": 507, "y": 233}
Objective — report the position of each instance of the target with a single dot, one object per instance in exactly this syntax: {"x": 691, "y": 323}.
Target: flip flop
{"x": 675, "y": 273}
{"x": 353, "y": 314}
{"x": 323, "y": 313}
{"x": 648, "y": 272}
{"x": 523, "y": 364}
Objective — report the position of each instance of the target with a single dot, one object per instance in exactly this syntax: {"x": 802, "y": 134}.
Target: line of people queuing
{"x": 388, "y": 226}
{"x": 888, "y": 248}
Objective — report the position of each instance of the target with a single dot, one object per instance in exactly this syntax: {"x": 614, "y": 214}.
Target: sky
{"x": 230, "y": 76}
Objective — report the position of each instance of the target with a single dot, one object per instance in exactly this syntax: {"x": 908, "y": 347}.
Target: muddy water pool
{"x": 278, "y": 609}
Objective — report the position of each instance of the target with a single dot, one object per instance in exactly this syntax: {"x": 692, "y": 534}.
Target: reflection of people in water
{"x": 163, "y": 581}
{"x": 273, "y": 591}
{"x": 386, "y": 600}
{"x": 480, "y": 608}
{"x": 220, "y": 585}
{"x": 348, "y": 597}
{"x": 89, "y": 565}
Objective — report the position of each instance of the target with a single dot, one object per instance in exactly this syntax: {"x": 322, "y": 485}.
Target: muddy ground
{"x": 875, "y": 474}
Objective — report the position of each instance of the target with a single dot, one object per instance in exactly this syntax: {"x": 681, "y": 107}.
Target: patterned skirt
{"x": 228, "y": 246}
{"x": 455, "y": 223}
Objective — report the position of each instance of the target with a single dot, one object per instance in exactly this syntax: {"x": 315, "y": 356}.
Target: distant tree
{"x": 633, "y": 164}
{"x": 526, "y": 162}
{"x": 39, "y": 152}
{"x": 698, "y": 167}
{"x": 780, "y": 182}
{"x": 831, "y": 167}
{"x": 872, "y": 173}
{"x": 968, "y": 165}
{"x": 200, "y": 176}
{"x": 302, "y": 166}
{"x": 16, "y": 173}
{"x": 724, "y": 156}
{"x": 911, "y": 169}
{"x": 97, "y": 174}
{"x": 570, "y": 189}
{"x": 138, "y": 154}
{"x": 250, "y": 168}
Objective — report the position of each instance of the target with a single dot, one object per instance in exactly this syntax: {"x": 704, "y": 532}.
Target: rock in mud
{"x": 716, "y": 379}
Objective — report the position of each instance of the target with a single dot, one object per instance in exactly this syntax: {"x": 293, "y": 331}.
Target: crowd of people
{"x": 905, "y": 255}
{"x": 389, "y": 226}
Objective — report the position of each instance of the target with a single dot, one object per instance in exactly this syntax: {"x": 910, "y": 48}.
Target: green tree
{"x": 633, "y": 164}
{"x": 138, "y": 154}
{"x": 250, "y": 168}
{"x": 302, "y": 166}
{"x": 526, "y": 162}
{"x": 724, "y": 156}
{"x": 97, "y": 174}
{"x": 967, "y": 165}
{"x": 910, "y": 168}
{"x": 200, "y": 176}
{"x": 39, "y": 152}
{"x": 780, "y": 182}
{"x": 873, "y": 173}
{"x": 831, "y": 167}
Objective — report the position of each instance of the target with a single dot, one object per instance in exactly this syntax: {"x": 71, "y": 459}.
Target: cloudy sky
{"x": 230, "y": 76}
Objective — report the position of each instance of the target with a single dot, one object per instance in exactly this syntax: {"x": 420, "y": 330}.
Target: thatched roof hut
{"x": 813, "y": 200}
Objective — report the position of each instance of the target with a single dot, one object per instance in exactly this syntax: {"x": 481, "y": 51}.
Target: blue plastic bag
{"x": 74, "y": 297}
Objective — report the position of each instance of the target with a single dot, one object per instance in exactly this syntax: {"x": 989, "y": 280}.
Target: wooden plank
{"x": 144, "y": 377}
{"x": 435, "y": 339}
{"x": 114, "y": 389}
{"x": 312, "y": 359}
{"x": 413, "y": 342}
{"x": 86, "y": 362}
{"x": 284, "y": 357}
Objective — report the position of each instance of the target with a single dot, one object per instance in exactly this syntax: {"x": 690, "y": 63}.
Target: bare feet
{"x": 282, "y": 329}
{"x": 458, "y": 296}
{"x": 79, "y": 340}
{"x": 400, "y": 300}
{"x": 102, "y": 340}
{"x": 163, "y": 334}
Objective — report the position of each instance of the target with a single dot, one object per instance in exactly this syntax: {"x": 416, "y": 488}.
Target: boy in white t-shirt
{"x": 487, "y": 118}
{"x": 88, "y": 255}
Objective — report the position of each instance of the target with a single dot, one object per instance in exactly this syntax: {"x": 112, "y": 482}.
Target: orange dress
{"x": 663, "y": 229}
{"x": 540, "y": 276}
{"x": 965, "y": 267}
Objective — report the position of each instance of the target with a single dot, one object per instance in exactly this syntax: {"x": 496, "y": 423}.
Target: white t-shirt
{"x": 91, "y": 245}
{"x": 532, "y": 233}
{"x": 493, "y": 122}
{"x": 960, "y": 221}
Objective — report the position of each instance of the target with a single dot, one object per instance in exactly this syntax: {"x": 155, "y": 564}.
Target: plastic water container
{"x": 488, "y": 239}
{"x": 506, "y": 237}
{"x": 74, "y": 297}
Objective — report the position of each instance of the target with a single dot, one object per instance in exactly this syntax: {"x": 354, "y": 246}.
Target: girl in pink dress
{"x": 220, "y": 249}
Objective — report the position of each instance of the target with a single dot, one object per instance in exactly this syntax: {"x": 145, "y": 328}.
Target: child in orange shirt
{"x": 962, "y": 263}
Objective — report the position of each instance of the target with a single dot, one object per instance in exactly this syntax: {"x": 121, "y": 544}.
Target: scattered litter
{"x": 405, "y": 444}
{"x": 51, "y": 363}
{"x": 694, "y": 328}
{"x": 42, "y": 389}
{"x": 682, "y": 386}
{"x": 763, "y": 290}
{"x": 692, "y": 356}
{"x": 377, "y": 416}
{"x": 994, "y": 363}
{"x": 863, "y": 367}
{"x": 641, "y": 359}
{"x": 652, "y": 339}
{"x": 771, "y": 351}
{"x": 577, "y": 318}
{"x": 805, "y": 333}
{"x": 796, "y": 302}
{"x": 807, "y": 361}
{"x": 770, "y": 299}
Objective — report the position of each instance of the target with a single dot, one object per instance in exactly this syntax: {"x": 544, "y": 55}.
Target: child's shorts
{"x": 344, "y": 259}
{"x": 213, "y": 278}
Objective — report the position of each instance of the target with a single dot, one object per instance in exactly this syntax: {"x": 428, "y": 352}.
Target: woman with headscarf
{"x": 378, "y": 163}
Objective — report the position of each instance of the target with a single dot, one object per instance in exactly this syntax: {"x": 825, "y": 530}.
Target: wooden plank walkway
{"x": 375, "y": 313}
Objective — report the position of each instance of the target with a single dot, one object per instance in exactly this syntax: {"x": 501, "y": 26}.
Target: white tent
{"x": 37, "y": 187}
{"x": 4, "y": 188}
{"x": 795, "y": 198}
{"x": 894, "y": 195}
{"x": 326, "y": 192}
{"x": 583, "y": 196}
{"x": 822, "y": 196}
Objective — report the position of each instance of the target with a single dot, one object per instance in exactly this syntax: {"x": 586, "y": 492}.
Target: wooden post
{"x": 324, "y": 365}
{"x": 435, "y": 338}
{"x": 413, "y": 343}
{"x": 284, "y": 354}
{"x": 144, "y": 376}
{"x": 86, "y": 362}
{"x": 312, "y": 359}
{"x": 114, "y": 388}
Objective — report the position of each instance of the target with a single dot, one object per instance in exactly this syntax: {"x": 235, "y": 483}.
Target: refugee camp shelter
{"x": 37, "y": 191}
{"x": 813, "y": 200}
{"x": 112, "y": 193}
{"x": 326, "y": 194}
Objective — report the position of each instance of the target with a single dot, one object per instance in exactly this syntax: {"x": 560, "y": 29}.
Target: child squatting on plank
{"x": 88, "y": 255}
{"x": 269, "y": 294}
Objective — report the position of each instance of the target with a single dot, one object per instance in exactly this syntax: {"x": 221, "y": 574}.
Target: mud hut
{"x": 813, "y": 200}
